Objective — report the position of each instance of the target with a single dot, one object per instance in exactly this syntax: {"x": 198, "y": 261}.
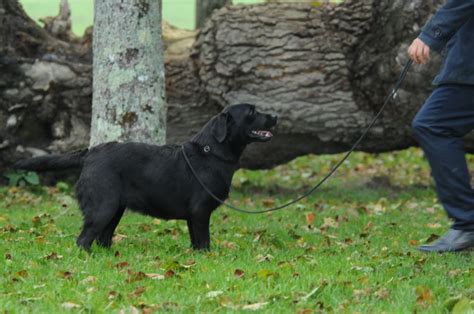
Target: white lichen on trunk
{"x": 128, "y": 73}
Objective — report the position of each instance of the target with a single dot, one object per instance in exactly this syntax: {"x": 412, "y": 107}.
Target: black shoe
{"x": 452, "y": 241}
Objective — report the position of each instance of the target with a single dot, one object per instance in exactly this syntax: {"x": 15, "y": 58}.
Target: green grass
{"x": 177, "y": 12}
{"x": 357, "y": 255}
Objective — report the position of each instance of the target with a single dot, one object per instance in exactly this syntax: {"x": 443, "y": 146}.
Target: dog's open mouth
{"x": 262, "y": 134}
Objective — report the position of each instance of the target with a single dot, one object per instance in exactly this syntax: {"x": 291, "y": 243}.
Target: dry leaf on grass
{"x": 424, "y": 295}
{"x": 254, "y": 306}
{"x": 239, "y": 273}
{"x": 213, "y": 294}
{"x": 70, "y": 305}
{"x": 155, "y": 276}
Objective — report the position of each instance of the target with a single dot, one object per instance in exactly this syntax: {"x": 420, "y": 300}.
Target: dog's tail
{"x": 53, "y": 162}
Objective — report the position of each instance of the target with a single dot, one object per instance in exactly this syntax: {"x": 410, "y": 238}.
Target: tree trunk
{"x": 325, "y": 70}
{"x": 204, "y": 9}
{"x": 128, "y": 102}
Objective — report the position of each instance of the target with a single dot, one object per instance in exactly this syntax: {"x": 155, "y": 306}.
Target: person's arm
{"x": 446, "y": 22}
{"x": 439, "y": 30}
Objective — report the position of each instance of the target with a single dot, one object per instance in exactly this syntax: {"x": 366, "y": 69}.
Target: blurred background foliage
{"x": 180, "y": 13}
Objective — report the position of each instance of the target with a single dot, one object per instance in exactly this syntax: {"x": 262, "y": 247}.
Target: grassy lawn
{"x": 349, "y": 248}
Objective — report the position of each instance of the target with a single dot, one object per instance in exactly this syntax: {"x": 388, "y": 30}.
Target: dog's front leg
{"x": 199, "y": 231}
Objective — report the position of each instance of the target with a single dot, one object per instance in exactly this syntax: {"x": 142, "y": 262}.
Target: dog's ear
{"x": 219, "y": 127}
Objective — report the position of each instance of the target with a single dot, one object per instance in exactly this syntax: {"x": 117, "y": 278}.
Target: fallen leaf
{"x": 379, "y": 208}
{"x": 434, "y": 226}
{"x": 413, "y": 242}
{"x": 348, "y": 241}
{"x": 363, "y": 280}
{"x": 130, "y": 310}
{"x": 113, "y": 294}
{"x": 361, "y": 292}
{"x": 213, "y": 294}
{"x": 382, "y": 293}
{"x": 264, "y": 258}
{"x": 70, "y": 305}
{"x": 189, "y": 263}
{"x": 118, "y": 237}
{"x": 53, "y": 256}
{"x": 310, "y": 218}
{"x": 89, "y": 279}
{"x": 66, "y": 275}
{"x": 239, "y": 273}
{"x": 121, "y": 265}
{"x": 145, "y": 227}
{"x": 138, "y": 292}
{"x": 135, "y": 276}
{"x": 266, "y": 273}
{"x": 424, "y": 295}
{"x": 22, "y": 273}
{"x": 155, "y": 276}
{"x": 36, "y": 220}
{"x": 329, "y": 223}
{"x": 454, "y": 272}
{"x": 254, "y": 306}
{"x": 169, "y": 273}
{"x": 267, "y": 202}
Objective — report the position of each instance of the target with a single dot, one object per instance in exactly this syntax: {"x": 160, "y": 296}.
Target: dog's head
{"x": 243, "y": 124}
{"x": 234, "y": 128}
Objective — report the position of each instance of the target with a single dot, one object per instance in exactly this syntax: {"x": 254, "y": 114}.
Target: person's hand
{"x": 419, "y": 51}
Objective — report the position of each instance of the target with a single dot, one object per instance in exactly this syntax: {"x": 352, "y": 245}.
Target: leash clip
{"x": 395, "y": 94}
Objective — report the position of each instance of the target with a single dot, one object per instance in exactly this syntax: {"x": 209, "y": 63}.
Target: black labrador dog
{"x": 155, "y": 180}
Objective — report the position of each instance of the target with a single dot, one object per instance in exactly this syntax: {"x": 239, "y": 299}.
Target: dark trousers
{"x": 440, "y": 125}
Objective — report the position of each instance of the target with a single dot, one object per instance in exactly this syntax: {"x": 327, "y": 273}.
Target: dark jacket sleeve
{"x": 445, "y": 23}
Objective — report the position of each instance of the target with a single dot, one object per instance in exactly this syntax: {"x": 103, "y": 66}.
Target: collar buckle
{"x": 207, "y": 149}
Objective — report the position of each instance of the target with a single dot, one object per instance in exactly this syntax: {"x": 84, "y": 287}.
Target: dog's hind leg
{"x": 99, "y": 199}
{"x": 96, "y": 220}
{"x": 105, "y": 238}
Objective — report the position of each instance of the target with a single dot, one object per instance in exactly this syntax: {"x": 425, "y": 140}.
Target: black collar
{"x": 208, "y": 151}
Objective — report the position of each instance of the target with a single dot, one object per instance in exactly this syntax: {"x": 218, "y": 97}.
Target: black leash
{"x": 393, "y": 94}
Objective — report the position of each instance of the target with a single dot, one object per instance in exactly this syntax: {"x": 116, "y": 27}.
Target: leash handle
{"x": 392, "y": 94}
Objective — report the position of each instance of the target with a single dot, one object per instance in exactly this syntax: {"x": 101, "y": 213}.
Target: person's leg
{"x": 439, "y": 127}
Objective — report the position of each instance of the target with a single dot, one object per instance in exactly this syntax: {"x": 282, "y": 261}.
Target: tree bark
{"x": 204, "y": 9}
{"x": 324, "y": 70}
{"x": 128, "y": 102}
